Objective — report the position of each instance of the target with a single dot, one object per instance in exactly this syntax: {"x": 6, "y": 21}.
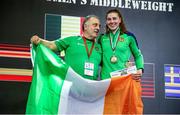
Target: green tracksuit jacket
{"x": 76, "y": 54}
{"x": 126, "y": 46}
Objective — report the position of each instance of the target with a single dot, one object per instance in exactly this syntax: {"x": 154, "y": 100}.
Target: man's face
{"x": 92, "y": 27}
{"x": 113, "y": 21}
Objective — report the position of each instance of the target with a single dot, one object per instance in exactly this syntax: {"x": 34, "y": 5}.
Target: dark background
{"x": 157, "y": 34}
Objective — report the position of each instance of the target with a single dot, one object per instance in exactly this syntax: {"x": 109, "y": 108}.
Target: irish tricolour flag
{"x": 57, "y": 89}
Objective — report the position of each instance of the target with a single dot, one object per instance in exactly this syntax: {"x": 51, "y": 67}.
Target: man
{"x": 82, "y": 53}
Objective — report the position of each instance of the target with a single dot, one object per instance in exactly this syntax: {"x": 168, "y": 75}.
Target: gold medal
{"x": 114, "y": 59}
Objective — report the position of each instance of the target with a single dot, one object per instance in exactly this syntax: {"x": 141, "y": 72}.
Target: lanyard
{"x": 116, "y": 37}
{"x": 88, "y": 53}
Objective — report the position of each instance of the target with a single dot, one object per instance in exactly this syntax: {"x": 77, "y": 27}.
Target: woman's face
{"x": 113, "y": 21}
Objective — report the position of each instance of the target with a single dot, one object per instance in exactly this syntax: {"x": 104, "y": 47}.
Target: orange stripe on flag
{"x": 123, "y": 96}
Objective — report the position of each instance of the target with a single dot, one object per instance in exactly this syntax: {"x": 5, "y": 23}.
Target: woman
{"x": 118, "y": 45}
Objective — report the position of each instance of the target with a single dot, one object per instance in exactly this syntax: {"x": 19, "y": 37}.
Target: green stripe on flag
{"x": 48, "y": 77}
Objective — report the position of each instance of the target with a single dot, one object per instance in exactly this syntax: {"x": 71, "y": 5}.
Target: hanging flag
{"x": 172, "y": 81}
{"x": 60, "y": 26}
{"x": 148, "y": 81}
{"x": 57, "y": 89}
{"x": 14, "y": 51}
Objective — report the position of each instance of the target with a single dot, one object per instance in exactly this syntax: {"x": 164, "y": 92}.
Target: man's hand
{"x": 35, "y": 40}
{"x": 137, "y": 76}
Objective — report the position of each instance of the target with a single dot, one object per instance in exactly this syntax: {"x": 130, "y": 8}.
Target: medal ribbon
{"x": 116, "y": 37}
{"x": 88, "y": 53}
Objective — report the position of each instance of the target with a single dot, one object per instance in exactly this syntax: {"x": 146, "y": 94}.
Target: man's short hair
{"x": 87, "y": 18}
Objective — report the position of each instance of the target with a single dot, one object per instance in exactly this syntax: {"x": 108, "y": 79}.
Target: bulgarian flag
{"x": 57, "y": 89}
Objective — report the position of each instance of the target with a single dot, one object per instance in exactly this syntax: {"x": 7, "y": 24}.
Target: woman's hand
{"x": 137, "y": 76}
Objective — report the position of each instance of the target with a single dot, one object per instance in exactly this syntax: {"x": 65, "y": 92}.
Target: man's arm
{"x": 50, "y": 44}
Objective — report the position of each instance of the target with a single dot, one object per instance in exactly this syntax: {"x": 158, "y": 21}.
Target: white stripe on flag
{"x": 86, "y": 96}
{"x": 64, "y": 97}
{"x": 172, "y": 91}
